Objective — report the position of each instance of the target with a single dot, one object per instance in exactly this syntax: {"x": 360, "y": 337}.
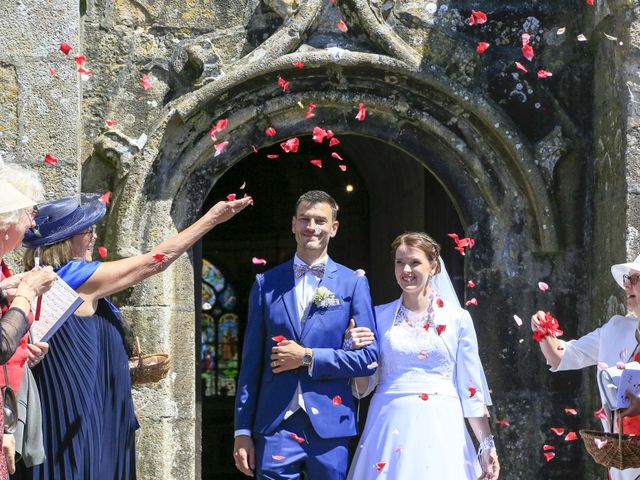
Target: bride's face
{"x": 413, "y": 269}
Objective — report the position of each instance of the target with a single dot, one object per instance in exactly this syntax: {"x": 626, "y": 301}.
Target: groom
{"x": 294, "y": 409}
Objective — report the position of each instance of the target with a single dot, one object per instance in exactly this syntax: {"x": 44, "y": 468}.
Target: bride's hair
{"x": 420, "y": 240}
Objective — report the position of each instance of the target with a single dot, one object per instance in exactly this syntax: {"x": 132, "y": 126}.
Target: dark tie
{"x": 300, "y": 270}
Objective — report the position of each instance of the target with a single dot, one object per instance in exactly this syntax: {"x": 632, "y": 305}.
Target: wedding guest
{"x": 84, "y": 381}
{"x": 428, "y": 381}
{"x": 16, "y": 294}
{"x": 620, "y": 335}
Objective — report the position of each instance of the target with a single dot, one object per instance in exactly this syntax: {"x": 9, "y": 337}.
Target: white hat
{"x": 11, "y": 199}
{"x": 623, "y": 269}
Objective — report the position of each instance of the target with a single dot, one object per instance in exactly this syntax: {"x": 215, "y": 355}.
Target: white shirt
{"x": 304, "y": 289}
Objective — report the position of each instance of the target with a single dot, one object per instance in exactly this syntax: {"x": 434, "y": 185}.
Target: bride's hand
{"x": 490, "y": 464}
{"x": 357, "y": 337}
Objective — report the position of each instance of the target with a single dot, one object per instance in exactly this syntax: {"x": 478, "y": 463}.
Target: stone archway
{"x": 486, "y": 166}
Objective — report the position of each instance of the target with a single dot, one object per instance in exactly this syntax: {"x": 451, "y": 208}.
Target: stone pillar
{"x": 40, "y": 90}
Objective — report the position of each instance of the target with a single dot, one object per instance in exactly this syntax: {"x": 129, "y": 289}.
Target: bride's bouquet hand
{"x": 490, "y": 464}
{"x": 356, "y": 337}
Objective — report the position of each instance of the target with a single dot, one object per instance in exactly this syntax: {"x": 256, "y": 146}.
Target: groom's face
{"x": 313, "y": 226}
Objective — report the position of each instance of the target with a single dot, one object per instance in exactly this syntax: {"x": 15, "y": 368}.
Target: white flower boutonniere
{"x": 324, "y": 298}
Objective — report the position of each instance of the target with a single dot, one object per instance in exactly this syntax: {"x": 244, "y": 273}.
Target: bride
{"x": 430, "y": 378}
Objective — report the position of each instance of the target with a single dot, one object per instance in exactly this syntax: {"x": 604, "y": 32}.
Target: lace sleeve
{"x": 13, "y": 325}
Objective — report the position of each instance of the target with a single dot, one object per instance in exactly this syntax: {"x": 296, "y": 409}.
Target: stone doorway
{"x": 383, "y": 192}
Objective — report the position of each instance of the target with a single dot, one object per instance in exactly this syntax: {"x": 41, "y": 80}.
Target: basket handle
{"x": 139, "y": 350}
{"x": 611, "y": 413}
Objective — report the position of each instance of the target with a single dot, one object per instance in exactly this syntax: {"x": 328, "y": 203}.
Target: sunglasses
{"x": 630, "y": 279}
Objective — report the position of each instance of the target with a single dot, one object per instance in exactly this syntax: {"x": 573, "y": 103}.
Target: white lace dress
{"x": 428, "y": 380}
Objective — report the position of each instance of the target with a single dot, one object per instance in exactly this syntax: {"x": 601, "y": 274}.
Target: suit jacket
{"x": 263, "y": 397}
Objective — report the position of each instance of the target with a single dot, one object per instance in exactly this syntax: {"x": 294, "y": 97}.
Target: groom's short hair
{"x": 318, "y": 196}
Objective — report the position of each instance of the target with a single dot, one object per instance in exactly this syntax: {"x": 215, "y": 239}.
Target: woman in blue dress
{"x": 89, "y": 421}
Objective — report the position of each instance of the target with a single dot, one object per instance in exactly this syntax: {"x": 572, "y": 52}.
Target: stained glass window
{"x": 219, "y": 333}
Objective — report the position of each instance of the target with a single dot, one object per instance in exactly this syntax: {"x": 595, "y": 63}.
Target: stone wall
{"x": 544, "y": 172}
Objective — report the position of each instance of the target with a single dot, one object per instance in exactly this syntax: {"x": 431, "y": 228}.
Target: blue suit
{"x": 263, "y": 397}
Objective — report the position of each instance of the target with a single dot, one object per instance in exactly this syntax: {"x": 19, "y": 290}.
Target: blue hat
{"x": 61, "y": 219}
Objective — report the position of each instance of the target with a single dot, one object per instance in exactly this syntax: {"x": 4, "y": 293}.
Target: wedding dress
{"x": 428, "y": 380}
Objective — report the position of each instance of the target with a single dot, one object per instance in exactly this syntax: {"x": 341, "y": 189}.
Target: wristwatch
{"x": 307, "y": 358}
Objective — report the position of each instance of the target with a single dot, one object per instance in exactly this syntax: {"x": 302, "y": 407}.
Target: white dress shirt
{"x": 304, "y": 288}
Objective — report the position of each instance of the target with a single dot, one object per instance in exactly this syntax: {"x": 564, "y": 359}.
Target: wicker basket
{"x": 148, "y": 368}
{"x": 618, "y": 450}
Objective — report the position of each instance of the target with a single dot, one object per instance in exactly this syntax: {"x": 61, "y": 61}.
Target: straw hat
{"x": 11, "y": 199}
{"x": 623, "y": 269}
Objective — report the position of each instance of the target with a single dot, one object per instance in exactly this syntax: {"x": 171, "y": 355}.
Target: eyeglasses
{"x": 630, "y": 279}
{"x": 88, "y": 231}
{"x": 32, "y": 214}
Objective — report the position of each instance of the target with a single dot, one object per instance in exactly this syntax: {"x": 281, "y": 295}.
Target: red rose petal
{"x": 318, "y": 134}
{"x": 470, "y": 284}
{"x": 220, "y": 147}
{"x": 102, "y": 251}
{"x": 106, "y": 198}
{"x": 145, "y": 81}
{"x": 543, "y": 287}
{"x": 570, "y": 411}
{"x": 570, "y": 437}
{"x": 80, "y": 59}
{"x": 52, "y": 71}
{"x": 525, "y": 37}
{"x": 473, "y": 301}
{"x": 519, "y": 66}
{"x": 258, "y": 261}
{"x": 440, "y": 303}
{"x": 111, "y": 123}
{"x": 472, "y": 391}
{"x": 424, "y": 396}
{"x": 50, "y": 159}
{"x": 477, "y": 16}
{"x": 380, "y": 465}
{"x": 312, "y": 107}
{"x": 337, "y": 400}
{"x": 333, "y": 142}
{"x": 278, "y": 338}
{"x": 65, "y": 48}
{"x": 549, "y": 456}
{"x": 271, "y": 132}
{"x": 337, "y": 156}
{"x": 290, "y": 145}
{"x": 557, "y": 430}
{"x": 278, "y": 458}
{"x": 342, "y": 168}
{"x": 544, "y": 74}
{"x": 297, "y": 438}
{"x": 343, "y": 26}
{"x": 441, "y": 328}
{"x": 298, "y": 64}
{"x": 547, "y": 448}
{"x": 317, "y": 163}
{"x": 426, "y": 327}
{"x": 362, "y": 112}
{"x": 503, "y": 422}
{"x": 482, "y": 47}
{"x": 231, "y": 197}
{"x": 527, "y": 52}
{"x": 601, "y": 414}
{"x": 158, "y": 257}
{"x": 283, "y": 83}
{"x": 273, "y": 155}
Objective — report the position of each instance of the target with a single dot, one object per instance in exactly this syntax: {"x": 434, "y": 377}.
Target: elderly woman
{"x": 17, "y": 293}
{"x": 84, "y": 381}
{"x": 429, "y": 380}
{"x": 617, "y": 340}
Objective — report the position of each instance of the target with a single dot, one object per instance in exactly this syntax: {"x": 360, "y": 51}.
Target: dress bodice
{"x": 413, "y": 354}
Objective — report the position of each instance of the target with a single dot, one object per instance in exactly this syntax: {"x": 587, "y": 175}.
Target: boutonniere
{"x": 324, "y": 298}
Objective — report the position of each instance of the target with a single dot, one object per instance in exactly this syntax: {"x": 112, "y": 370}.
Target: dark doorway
{"x": 381, "y": 192}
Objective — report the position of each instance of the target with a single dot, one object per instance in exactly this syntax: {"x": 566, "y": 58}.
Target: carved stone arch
{"x": 471, "y": 147}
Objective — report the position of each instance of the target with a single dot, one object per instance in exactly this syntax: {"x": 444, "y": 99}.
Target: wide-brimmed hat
{"x": 623, "y": 269}
{"x": 61, "y": 219}
{"x": 11, "y": 199}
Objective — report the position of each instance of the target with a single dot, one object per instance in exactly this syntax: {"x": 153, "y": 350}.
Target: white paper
{"x": 629, "y": 380}
{"x": 58, "y": 303}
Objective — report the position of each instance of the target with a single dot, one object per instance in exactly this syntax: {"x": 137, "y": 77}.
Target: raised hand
{"x": 223, "y": 211}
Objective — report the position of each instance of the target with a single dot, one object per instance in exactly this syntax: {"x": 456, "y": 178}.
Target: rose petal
{"x": 231, "y": 197}
{"x": 362, "y": 112}
{"x": 110, "y": 123}
{"x": 343, "y": 26}
{"x": 337, "y": 156}
{"x": 570, "y": 437}
{"x": 258, "y": 261}
{"x": 278, "y": 338}
{"x": 50, "y": 159}
{"x": 601, "y": 414}
{"x": 570, "y": 411}
{"x": 290, "y": 145}
{"x": 527, "y": 52}
{"x": 424, "y": 396}
{"x": 380, "y": 466}
{"x": 333, "y": 142}
{"x": 318, "y": 134}
{"x": 519, "y": 66}
{"x": 273, "y": 155}
{"x": 271, "y": 132}
{"x": 518, "y": 320}
{"x": 544, "y": 74}
{"x": 220, "y": 147}
{"x": 441, "y": 328}
{"x": 470, "y": 284}
{"x": 106, "y": 198}
{"x": 65, "y": 48}
{"x": 525, "y": 37}
{"x": 297, "y": 438}
{"x": 547, "y": 448}
{"x": 52, "y": 71}
{"x": 423, "y": 355}
{"x": 342, "y": 167}
{"x": 317, "y": 163}
{"x": 80, "y": 59}
{"x": 158, "y": 257}
{"x": 278, "y": 458}
{"x": 440, "y": 303}
{"x": 549, "y": 456}
{"x": 145, "y": 81}
{"x": 557, "y": 430}
{"x": 543, "y": 286}
{"x": 482, "y": 47}
{"x": 283, "y": 83}
{"x": 503, "y": 422}
{"x": 472, "y": 391}
{"x": 337, "y": 400}
{"x": 473, "y": 301}
{"x": 298, "y": 64}
{"x": 102, "y": 251}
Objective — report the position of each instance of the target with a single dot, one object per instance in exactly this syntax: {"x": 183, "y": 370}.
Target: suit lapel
{"x": 287, "y": 289}
{"x": 329, "y": 281}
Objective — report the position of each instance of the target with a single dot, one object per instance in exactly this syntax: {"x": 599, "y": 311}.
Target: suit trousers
{"x": 294, "y": 447}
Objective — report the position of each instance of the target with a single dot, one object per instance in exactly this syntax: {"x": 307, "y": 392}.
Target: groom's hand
{"x": 244, "y": 454}
{"x": 287, "y": 355}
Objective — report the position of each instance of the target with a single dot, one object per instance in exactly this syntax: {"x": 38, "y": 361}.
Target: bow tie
{"x": 300, "y": 270}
